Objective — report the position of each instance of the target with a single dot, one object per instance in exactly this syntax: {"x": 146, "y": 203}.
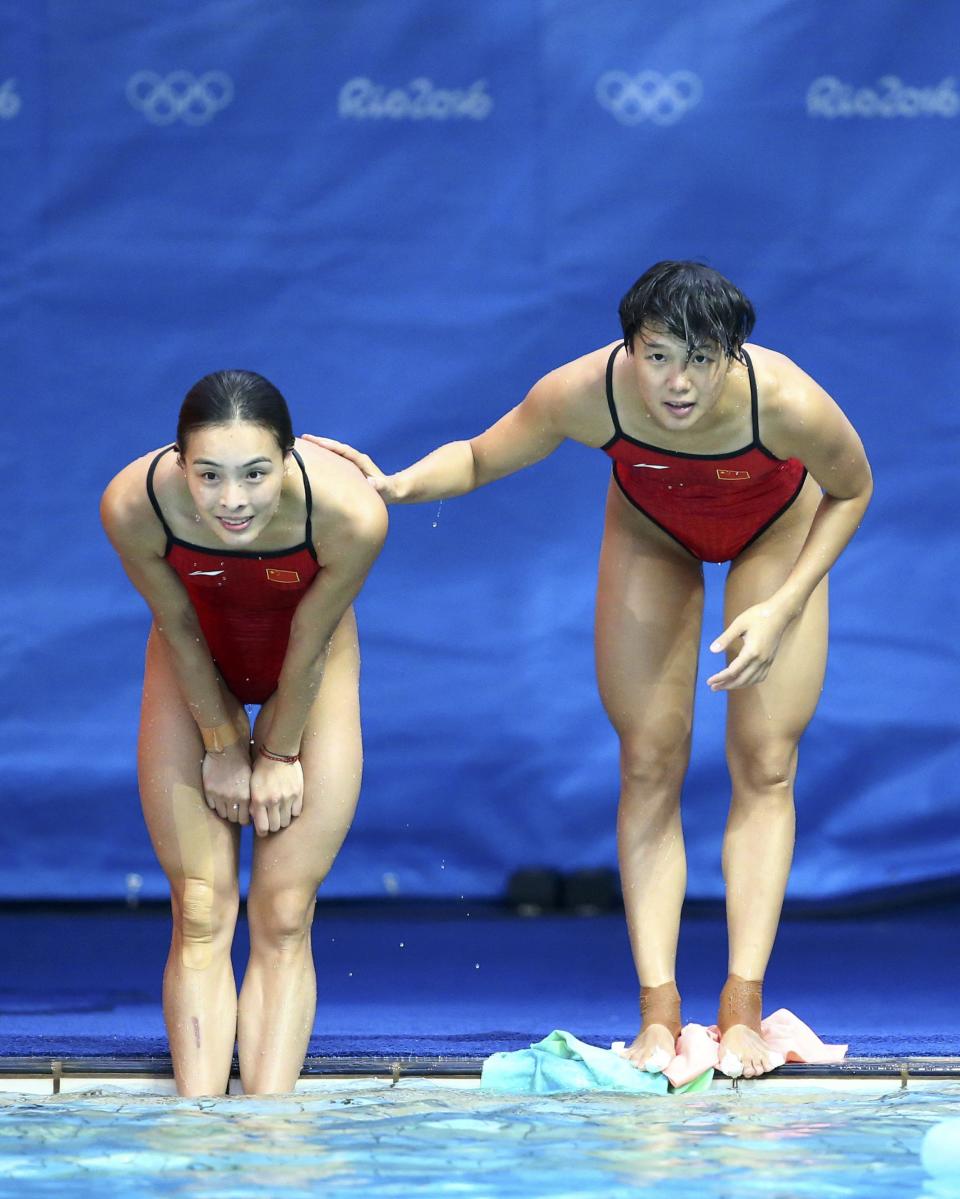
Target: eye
{"x": 255, "y": 475}
{"x": 208, "y": 476}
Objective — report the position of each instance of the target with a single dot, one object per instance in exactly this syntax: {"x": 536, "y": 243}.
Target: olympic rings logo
{"x": 649, "y": 96}
{"x": 180, "y": 96}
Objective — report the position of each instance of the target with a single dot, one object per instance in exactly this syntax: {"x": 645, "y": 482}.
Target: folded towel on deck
{"x": 561, "y": 1062}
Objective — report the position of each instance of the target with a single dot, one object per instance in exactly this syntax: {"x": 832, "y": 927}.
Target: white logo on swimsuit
{"x": 831, "y": 98}
{"x": 648, "y": 95}
{"x": 180, "y": 95}
{"x": 650, "y": 466}
{"x": 206, "y": 573}
{"x": 421, "y": 100}
{"x": 9, "y": 100}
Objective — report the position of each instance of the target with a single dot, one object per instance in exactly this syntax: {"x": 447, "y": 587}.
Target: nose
{"x": 680, "y": 382}
{"x": 233, "y": 497}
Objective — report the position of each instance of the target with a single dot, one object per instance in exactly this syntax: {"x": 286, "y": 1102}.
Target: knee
{"x": 205, "y": 919}
{"x": 652, "y": 767}
{"x": 281, "y": 919}
{"x": 763, "y": 766}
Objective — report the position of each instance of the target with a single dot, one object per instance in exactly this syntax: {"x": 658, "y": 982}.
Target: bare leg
{"x": 765, "y": 723}
{"x": 279, "y": 993}
{"x": 198, "y": 853}
{"x": 649, "y": 610}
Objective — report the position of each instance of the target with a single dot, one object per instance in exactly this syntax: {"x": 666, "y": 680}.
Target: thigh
{"x": 189, "y": 839}
{"x": 781, "y": 706}
{"x": 299, "y": 856}
{"x": 649, "y": 613}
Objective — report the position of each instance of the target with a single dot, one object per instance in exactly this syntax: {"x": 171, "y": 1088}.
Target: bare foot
{"x": 655, "y": 1044}
{"x": 653, "y": 1049}
{"x": 743, "y": 1051}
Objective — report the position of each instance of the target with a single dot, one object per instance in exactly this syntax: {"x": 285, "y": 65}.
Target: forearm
{"x": 834, "y": 524}
{"x": 194, "y": 671}
{"x": 448, "y": 471}
{"x": 297, "y": 688}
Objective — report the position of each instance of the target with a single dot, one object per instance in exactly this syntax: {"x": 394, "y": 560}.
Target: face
{"x": 677, "y": 388}
{"x": 235, "y": 476}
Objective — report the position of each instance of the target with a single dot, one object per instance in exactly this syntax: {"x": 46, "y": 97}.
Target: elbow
{"x": 475, "y": 477}
{"x": 865, "y": 494}
{"x": 178, "y": 627}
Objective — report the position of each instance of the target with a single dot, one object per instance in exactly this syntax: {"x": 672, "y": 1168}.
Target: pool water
{"x": 365, "y": 1137}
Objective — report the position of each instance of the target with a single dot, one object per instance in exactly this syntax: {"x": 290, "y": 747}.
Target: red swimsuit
{"x": 244, "y": 601}
{"x": 714, "y": 505}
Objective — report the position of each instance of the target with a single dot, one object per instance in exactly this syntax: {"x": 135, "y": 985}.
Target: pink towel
{"x": 698, "y": 1047}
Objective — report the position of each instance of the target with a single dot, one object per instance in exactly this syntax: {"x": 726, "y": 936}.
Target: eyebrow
{"x": 665, "y": 345}
{"x": 210, "y": 462}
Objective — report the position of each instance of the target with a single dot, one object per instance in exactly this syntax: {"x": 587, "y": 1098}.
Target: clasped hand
{"x": 269, "y": 794}
{"x": 759, "y": 629}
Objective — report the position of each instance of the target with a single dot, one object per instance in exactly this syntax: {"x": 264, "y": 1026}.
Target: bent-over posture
{"x": 249, "y": 550}
{"x": 721, "y": 452}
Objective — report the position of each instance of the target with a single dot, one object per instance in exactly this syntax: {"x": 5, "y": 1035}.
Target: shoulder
{"x": 789, "y": 398}
{"x": 569, "y": 395}
{"x": 798, "y": 417}
{"x": 345, "y": 505}
{"x": 125, "y": 509}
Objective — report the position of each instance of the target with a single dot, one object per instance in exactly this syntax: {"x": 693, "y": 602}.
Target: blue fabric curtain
{"x": 404, "y": 212}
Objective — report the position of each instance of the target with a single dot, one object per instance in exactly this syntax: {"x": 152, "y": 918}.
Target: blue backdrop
{"x": 403, "y": 212}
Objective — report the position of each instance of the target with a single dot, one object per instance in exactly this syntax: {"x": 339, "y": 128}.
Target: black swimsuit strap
{"x": 754, "y": 401}
{"x": 308, "y": 498}
{"x": 617, "y": 431}
{"x": 152, "y": 495}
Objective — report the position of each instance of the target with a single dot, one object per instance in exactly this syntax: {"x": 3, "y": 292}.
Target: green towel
{"x": 561, "y": 1062}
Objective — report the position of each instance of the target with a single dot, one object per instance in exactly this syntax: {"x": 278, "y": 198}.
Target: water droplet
{"x": 134, "y": 884}
{"x": 436, "y": 519}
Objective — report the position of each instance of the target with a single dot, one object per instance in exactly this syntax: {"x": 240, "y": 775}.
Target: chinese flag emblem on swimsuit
{"x": 735, "y": 476}
{"x": 282, "y": 576}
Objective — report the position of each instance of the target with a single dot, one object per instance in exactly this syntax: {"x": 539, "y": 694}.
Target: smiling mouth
{"x": 235, "y": 524}
{"x": 679, "y": 405}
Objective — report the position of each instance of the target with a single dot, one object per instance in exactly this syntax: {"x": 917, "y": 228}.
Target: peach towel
{"x": 698, "y": 1047}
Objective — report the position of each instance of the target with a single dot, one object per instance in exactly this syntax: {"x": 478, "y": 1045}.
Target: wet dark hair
{"x": 227, "y": 396}
{"x": 691, "y": 302}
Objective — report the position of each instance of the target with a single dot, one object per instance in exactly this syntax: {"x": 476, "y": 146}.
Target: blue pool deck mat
{"x": 421, "y": 990}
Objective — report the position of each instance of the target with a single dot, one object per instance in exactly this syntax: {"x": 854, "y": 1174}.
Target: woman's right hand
{"x": 226, "y": 782}
{"x": 386, "y": 485}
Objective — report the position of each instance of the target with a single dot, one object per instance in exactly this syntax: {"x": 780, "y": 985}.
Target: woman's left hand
{"x": 276, "y": 794}
{"x": 759, "y": 630}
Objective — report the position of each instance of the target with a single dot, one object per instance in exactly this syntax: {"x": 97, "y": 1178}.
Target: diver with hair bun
{"x": 249, "y": 548}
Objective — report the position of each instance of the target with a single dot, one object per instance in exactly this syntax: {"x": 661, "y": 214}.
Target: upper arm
{"x": 526, "y": 434}
{"x": 350, "y": 527}
{"x": 803, "y": 421}
{"x": 134, "y": 532}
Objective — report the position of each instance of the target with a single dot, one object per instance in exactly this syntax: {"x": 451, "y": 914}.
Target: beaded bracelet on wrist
{"x": 268, "y": 753}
